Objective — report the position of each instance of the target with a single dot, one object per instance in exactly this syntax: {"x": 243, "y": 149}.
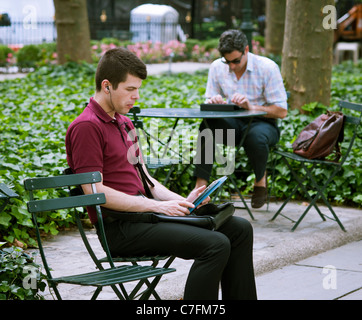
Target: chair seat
{"x": 135, "y": 259}
{"x": 113, "y": 276}
{"x": 299, "y": 158}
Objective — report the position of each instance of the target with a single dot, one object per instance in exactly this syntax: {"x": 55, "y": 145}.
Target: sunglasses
{"x": 235, "y": 61}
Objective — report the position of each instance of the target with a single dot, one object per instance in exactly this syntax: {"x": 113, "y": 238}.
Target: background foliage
{"x": 35, "y": 112}
{"x": 15, "y": 267}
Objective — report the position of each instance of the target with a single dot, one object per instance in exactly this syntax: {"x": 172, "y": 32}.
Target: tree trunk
{"x": 307, "y": 53}
{"x": 275, "y": 22}
{"x": 73, "y": 40}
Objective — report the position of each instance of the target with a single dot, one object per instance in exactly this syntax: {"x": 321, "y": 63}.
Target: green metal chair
{"x": 5, "y": 195}
{"x": 307, "y": 169}
{"x": 113, "y": 276}
{"x": 134, "y": 260}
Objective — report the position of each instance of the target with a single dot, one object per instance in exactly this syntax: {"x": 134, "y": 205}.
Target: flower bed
{"x": 29, "y": 57}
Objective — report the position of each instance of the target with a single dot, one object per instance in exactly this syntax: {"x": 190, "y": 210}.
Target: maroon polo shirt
{"x": 96, "y": 142}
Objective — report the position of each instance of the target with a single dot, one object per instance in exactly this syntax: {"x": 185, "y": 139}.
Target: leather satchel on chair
{"x": 318, "y": 139}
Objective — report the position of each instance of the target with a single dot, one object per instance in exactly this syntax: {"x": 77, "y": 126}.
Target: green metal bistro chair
{"x": 5, "y": 195}
{"x": 134, "y": 260}
{"x": 113, "y": 276}
{"x": 308, "y": 169}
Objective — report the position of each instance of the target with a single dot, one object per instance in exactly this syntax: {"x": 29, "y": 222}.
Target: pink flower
{"x": 168, "y": 51}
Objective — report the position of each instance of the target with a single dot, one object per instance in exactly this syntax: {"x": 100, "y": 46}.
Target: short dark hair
{"x": 116, "y": 64}
{"x": 232, "y": 40}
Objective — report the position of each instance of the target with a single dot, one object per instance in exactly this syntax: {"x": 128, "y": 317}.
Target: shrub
{"x": 20, "y": 276}
{"x": 28, "y": 56}
{"x": 5, "y": 55}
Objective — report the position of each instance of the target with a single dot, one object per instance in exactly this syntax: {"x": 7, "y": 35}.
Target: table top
{"x": 195, "y": 113}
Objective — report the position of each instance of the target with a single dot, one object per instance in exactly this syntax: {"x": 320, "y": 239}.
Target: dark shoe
{"x": 259, "y": 197}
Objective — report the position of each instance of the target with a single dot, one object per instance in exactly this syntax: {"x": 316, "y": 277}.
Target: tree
{"x": 73, "y": 40}
{"x": 307, "y": 52}
{"x": 275, "y": 22}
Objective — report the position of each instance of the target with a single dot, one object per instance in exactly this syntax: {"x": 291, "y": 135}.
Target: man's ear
{"x": 106, "y": 86}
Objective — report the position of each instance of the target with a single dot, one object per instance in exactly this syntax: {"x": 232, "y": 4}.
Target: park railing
{"x": 28, "y": 32}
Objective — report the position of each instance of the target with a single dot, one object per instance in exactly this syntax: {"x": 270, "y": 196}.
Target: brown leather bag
{"x": 321, "y": 137}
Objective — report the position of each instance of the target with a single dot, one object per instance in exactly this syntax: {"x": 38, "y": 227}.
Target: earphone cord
{"x": 110, "y": 99}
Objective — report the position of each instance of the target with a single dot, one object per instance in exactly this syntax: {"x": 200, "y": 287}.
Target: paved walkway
{"x": 152, "y": 69}
{"x": 316, "y": 261}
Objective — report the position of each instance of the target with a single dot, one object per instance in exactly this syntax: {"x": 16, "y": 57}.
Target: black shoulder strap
{"x": 145, "y": 179}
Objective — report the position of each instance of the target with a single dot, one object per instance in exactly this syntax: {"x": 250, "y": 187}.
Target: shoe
{"x": 259, "y": 197}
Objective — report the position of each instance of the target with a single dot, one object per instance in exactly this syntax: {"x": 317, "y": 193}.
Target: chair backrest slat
{"x": 352, "y": 120}
{"x": 351, "y": 105}
{"x": 62, "y": 181}
{"x": 5, "y": 190}
{"x": 66, "y": 203}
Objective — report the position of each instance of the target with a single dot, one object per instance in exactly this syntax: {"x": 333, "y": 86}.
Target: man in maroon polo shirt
{"x": 99, "y": 140}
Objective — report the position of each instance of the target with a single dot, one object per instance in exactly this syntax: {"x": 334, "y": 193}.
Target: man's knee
{"x": 219, "y": 244}
{"x": 239, "y": 230}
{"x": 256, "y": 140}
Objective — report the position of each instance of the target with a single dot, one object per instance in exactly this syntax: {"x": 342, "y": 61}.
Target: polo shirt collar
{"x": 100, "y": 113}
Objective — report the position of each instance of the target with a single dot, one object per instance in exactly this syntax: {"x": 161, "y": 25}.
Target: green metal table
{"x": 193, "y": 113}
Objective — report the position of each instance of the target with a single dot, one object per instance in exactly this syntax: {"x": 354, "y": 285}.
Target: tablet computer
{"x": 210, "y": 189}
{"x": 219, "y": 107}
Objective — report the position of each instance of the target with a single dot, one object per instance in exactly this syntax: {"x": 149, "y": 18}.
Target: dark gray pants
{"x": 223, "y": 256}
{"x": 262, "y": 135}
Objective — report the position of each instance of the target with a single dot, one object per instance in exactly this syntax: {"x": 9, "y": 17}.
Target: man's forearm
{"x": 160, "y": 192}
{"x": 119, "y": 201}
{"x": 273, "y": 111}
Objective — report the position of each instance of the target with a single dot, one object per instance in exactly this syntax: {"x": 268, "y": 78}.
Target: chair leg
{"x": 135, "y": 290}
{"x": 320, "y": 194}
{"x": 54, "y": 287}
{"x": 151, "y": 287}
{"x": 96, "y": 293}
{"x": 313, "y": 201}
{"x": 241, "y": 197}
{"x": 273, "y": 161}
{"x": 149, "y": 291}
{"x": 284, "y": 204}
{"x": 299, "y": 185}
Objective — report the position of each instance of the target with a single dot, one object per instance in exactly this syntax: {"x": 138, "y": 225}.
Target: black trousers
{"x": 262, "y": 134}
{"x": 223, "y": 256}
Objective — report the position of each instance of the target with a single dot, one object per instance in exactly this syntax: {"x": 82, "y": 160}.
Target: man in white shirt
{"x": 253, "y": 83}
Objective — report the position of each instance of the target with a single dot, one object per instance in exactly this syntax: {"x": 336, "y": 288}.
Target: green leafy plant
{"x": 28, "y": 56}
{"x": 5, "y": 55}
{"x": 20, "y": 276}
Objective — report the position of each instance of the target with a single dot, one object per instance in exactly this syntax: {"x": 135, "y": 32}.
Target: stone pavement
{"x": 316, "y": 261}
{"x": 189, "y": 67}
